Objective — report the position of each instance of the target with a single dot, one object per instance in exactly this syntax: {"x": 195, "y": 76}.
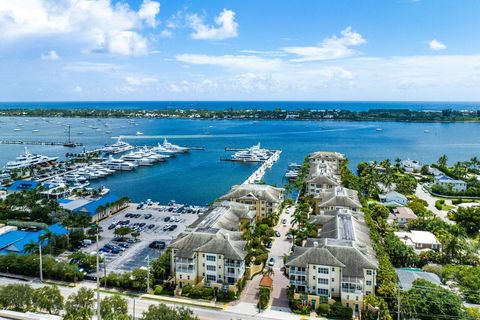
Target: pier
{"x": 260, "y": 172}
{"x": 38, "y": 143}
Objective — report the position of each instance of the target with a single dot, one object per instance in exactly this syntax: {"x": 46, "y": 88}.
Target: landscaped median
{"x": 184, "y": 301}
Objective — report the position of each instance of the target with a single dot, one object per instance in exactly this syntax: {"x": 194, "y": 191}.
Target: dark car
{"x": 151, "y": 226}
{"x": 148, "y": 216}
{"x": 269, "y": 245}
{"x": 142, "y": 224}
{"x": 128, "y": 215}
{"x": 166, "y": 219}
{"x": 157, "y": 245}
{"x": 173, "y": 227}
{"x": 112, "y": 226}
{"x": 140, "y": 206}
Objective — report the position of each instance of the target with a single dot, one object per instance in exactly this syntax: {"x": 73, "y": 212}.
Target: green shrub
{"x": 298, "y": 307}
{"x": 338, "y": 311}
{"x": 457, "y": 201}
{"x": 158, "y": 290}
{"x": 439, "y": 204}
{"x": 323, "y": 309}
{"x": 226, "y": 296}
{"x": 264, "y": 298}
{"x": 197, "y": 292}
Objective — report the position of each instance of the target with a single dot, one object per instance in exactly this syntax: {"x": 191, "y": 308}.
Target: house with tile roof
{"x": 211, "y": 252}
{"x": 262, "y": 198}
{"x": 339, "y": 264}
{"x": 337, "y": 198}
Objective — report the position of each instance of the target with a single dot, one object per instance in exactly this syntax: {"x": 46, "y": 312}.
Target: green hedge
{"x": 264, "y": 298}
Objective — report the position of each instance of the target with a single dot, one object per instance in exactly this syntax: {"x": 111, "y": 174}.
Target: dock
{"x": 260, "y": 172}
{"x": 36, "y": 142}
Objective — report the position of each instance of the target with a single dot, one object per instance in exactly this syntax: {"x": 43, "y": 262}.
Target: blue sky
{"x": 54, "y": 50}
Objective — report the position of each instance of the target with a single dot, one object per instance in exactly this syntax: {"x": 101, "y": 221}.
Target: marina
{"x": 258, "y": 174}
{"x": 187, "y": 173}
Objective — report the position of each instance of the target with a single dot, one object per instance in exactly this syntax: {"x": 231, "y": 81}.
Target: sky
{"x": 104, "y": 50}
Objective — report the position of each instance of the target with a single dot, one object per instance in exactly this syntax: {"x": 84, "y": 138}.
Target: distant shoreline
{"x": 397, "y": 115}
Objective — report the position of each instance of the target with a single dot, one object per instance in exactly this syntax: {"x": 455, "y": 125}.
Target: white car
{"x": 271, "y": 262}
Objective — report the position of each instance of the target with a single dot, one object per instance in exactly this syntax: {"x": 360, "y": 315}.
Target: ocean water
{"x": 266, "y": 105}
{"x": 200, "y": 177}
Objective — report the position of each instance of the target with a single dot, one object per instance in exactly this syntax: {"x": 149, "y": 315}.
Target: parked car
{"x": 166, "y": 227}
{"x": 173, "y": 227}
{"x": 140, "y": 206}
{"x": 148, "y": 216}
{"x": 269, "y": 245}
{"x": 112, "y": 226}
{"x": 284, "y": 221}
{"x": 277, "y": 234}
{"x": 166, "y": 219}
{"x": 271, "y": 262}
{"x": 157, "y": 245}
{"x": 151, "y": 226}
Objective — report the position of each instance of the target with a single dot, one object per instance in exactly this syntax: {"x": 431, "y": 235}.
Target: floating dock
{"x": 39, "y": 143}
{"x": 258, "y": 174}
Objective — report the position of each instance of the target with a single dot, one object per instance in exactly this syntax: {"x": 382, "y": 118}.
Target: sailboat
{"x": 69, "y": 142}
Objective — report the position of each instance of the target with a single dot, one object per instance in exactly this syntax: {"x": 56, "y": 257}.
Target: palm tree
{"x": 30, "y": 248}
{"x": 268, "y": 271}
{"x": 442, "y": 161}
{"x": 47, "y": 237}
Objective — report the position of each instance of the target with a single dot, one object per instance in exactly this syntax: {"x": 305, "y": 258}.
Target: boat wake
{"x": 234, "y": 135}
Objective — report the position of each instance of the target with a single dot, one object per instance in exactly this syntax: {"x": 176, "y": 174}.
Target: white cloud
{"x": 330, "y": 48}
{"x": 148, "y": 11}
{"x": 436, "y": 45}
{"x": 166, "y": 33}
{"x": 233, "y": 62}
{"x": 140, "y": 81}
{"x": 101, "y": 24}
{"x": 78, "y": 89}
{"x": 226, "y": 26}
{"x": 51, "y": 55}
{"x": 84, "y": 66}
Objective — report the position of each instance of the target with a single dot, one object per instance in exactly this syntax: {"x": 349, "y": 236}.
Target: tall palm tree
{"x": 47, "y": 237}
{"x": 442, "y": 161}
{"x": 268, "y": 271}
{"x": 30, "y": 248}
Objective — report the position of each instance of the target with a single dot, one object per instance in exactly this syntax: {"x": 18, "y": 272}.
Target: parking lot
{"x": 152, "y": 222}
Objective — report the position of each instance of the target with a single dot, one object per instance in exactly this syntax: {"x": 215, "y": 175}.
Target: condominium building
{"x": 211, "y": 252}
{"x": 334, "y": 159}
{"x": 337, "y": 198}
{"x": 340, "y": 264}
{"x": 261, "y": 198}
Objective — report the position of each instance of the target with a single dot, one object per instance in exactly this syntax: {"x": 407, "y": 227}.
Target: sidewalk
{"x": 190, "y": 302}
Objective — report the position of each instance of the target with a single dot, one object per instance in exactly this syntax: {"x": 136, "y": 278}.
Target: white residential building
{"x": 419, "y": 240}
{"x": 450, "y": 184}
{"x": 393, "y": 198}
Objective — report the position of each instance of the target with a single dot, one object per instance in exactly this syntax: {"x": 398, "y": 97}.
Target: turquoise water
{"x": 268, "y": 105}
{"x": 200, "y": 177}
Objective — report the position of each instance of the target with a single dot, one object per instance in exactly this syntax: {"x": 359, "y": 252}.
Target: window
{"x": 211, "y": 258}
{"x": 356, "y": 298}
{"x": 323, "y": 270}
{"x": 369, "y": 272}
{"x": 323, "y": 292}
{"x": 333, "y": 279}
{"x": 367, "y": 293}
{"x": 211, "y": 277}
{"x": 333, "y": 269}
{"x": 211, "y": 268}
{"x": 369, "y": 283}
{"x": 322, "y": 281}
{"x": 333, "y": 290}
{"x": 313, "y": 277}
{"x": 188, "y": 277}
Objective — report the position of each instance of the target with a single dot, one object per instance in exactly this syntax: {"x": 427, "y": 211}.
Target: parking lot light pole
{"x": 148, "y": 273}
{"x": 98, "y": 277}
{"x": 41, "y": 264}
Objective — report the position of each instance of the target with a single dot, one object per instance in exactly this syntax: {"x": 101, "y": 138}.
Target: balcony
{"x": 295, "y": 272}
{"x": 295, "y": 282}
{"x": 235, "y": 274}
{"x": 185, "y": 269}
{"x": 233, "y": 264}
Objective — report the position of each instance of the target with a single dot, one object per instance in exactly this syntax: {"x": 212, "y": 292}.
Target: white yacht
{"x": 118, "y": 147}
{"x": 170, "y": 146}
{"x": 252, "y": 154}
{"x": 28, "y": 159}
{"x": 119, "y": 164}
{"x": 138, "y": 158}
{"x": 161, "y": 149}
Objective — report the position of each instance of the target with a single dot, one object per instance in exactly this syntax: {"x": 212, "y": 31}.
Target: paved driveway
{"x": 422, "y": 194}
{"x": 281, "y": 247}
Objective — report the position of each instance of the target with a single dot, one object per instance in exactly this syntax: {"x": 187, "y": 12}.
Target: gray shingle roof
{"x": 339, "y": 197}
{"x": 302, "y": 256}
{"x": 257, "y": 191}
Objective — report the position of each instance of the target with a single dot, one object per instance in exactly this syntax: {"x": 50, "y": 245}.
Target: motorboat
{"x": 162, "y": 150}
{"x": 170, "y": 146}
{"x": 119, "y": 164}
{"x": 28, "y": 159}
{"x": 118, "y": 147}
